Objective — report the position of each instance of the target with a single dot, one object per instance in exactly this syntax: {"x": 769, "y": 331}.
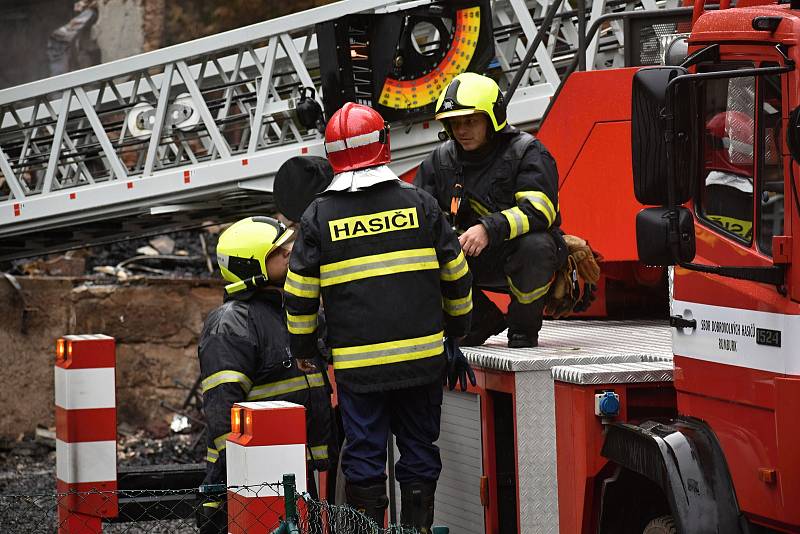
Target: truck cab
{"x": 715, "y": 148}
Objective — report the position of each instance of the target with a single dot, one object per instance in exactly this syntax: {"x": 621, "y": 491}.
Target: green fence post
{"x": 289, "y": 497}
{"x": 289, "y": 523}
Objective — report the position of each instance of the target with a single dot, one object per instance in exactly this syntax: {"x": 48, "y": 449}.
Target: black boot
{"x": 521, "y": 340}
{"x": 524, "y": 323}
{"x": 487, "y": 320}
{"x": 369, "y": 499}
{"x": 416, "y": 505}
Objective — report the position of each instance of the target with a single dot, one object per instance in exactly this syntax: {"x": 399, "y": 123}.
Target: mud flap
{"x": 685, "y": 460}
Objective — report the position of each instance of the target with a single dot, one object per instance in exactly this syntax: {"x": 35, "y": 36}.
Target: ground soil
{"x": 28, "y": 501}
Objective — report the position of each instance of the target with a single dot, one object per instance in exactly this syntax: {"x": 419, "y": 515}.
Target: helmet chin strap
{"x": 248, "y": 283}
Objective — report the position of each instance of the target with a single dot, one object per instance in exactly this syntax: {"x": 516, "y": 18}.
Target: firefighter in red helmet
{"x": 728, "y": 197}
{"x": 394, "y": 284}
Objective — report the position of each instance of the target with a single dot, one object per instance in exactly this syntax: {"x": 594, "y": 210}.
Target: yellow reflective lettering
{"x": 337, "y": 229}
{"x": 401, "y": 216}
{"x": 359, "y": 228}
{"x": 373, "y": 224}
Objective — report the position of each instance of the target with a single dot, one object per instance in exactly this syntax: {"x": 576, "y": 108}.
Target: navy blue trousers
{"x": 413, "y": 415}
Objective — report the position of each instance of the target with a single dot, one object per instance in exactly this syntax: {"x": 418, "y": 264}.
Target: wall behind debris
{"x": 128, "y": 27}
{"x": 119, "y": 29}
{"x": 26, "y": 29}
{"x": 123, "y": 28}
{"x": 156, "y": 326}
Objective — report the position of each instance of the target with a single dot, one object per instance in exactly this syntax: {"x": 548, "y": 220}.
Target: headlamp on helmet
{"x": 243, "y": 249}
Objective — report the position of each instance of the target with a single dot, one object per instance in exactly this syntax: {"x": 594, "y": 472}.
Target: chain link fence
{"x": 205, "y": 510}
{"x": 325, "y": 518}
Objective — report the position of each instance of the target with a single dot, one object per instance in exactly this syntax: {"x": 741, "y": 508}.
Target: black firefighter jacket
{"x": 511, "y": 189}
{"x": 244, "y": 356}
{"x": 393, "y": 281}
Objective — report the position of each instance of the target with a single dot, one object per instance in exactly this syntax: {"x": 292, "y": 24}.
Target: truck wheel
{"x": 661, "y": 525}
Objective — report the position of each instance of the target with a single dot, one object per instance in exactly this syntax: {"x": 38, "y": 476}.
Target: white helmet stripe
{"x": 335, "y": 146}
{"x": 354, "y": 142}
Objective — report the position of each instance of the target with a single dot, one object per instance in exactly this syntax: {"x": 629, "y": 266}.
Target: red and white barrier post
{"x": 267, "y": 440}
{"x": 86, "y": 432}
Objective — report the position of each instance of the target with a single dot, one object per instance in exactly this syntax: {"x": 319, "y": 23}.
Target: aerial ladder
{"x": 195, "y": 132}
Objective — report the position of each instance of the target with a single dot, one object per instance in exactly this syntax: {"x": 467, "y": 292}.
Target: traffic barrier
{"x": 267, "y": 439}
{"x": 86, "y": 432}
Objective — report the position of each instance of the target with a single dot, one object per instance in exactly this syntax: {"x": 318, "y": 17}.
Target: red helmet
{"x": 356, "y": 138}
{"x": 730, "y": 146}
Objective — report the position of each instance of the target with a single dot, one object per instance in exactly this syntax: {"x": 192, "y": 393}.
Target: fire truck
{"x": 714, "y": 140}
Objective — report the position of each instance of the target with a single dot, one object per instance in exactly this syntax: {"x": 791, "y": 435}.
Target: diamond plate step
{"x": 578, "y": 342}
{"x": 614, "y": 373}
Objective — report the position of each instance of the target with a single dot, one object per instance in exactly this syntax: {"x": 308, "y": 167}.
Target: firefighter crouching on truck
{"x": 499, "y": 186}
{"x": 244, "y": 354}
{"x": 394, "y": 283}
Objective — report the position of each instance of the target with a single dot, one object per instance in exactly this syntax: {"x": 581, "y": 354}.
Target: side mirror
{"x": 655, "y": 162}
{"x": 653, "y": 240}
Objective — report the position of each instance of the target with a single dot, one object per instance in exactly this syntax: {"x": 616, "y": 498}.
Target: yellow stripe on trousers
{"x": 527, "y": 297}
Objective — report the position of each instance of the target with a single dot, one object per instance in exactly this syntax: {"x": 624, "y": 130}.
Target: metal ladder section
{"x": 192, "y": 133}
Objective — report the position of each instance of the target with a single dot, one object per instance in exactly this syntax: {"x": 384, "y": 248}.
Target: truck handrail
{"x": 593, "y": 30}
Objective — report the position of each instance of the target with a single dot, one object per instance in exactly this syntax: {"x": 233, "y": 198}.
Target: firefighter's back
{"x": 379, "y": 278}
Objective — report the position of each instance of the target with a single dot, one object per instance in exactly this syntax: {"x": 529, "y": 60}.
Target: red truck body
{"x": 737, "y": 370}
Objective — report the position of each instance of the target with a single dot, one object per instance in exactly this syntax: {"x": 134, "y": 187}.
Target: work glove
{"x": 575, "y": 284}
{"x": 587, "y": 297}
{"x": 585, "y": 258}
{"x": 564, "y": 291}
{"x": 458, "y": 368}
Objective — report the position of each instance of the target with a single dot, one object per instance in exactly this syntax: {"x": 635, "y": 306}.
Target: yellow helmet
{"x": 243, "y": 248}
{"x": 470, "y": 93}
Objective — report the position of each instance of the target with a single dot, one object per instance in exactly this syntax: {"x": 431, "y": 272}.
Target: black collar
{"x": 272, "y": 295}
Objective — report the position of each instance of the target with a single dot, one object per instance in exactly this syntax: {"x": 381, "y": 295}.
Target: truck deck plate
{"x": 578, "y": 342}
{"x": 614, "y": 373}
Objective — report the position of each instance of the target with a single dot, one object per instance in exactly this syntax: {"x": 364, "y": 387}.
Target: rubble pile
{"x": 186, "y": 254}
{"x": 141, "y": 447}
{"x": 28, "y": 498}
{"x": 27, "y": 463}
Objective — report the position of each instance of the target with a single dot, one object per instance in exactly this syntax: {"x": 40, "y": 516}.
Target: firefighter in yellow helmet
{"x": 244, "y": 354}
{"x": 499, "y": 186}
